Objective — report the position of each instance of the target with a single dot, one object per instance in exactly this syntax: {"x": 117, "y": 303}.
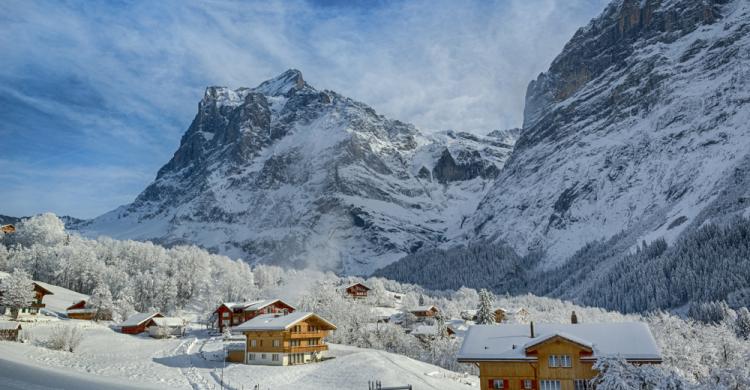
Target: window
{"x": 253, "y": 343}
{"x": 583, "y": 384}
{"x": 263, "y": 356}
{"x": 294, "y": 343}
{"x": 312, "y": 328}
{"x": 498, "y": 384}
{"x": 297, "y": 328}
{"x": 225, "y": 314}
{"x": 549, "y": 385}
{"x": 276, "y": 343}
{"x": 566, "y": 361}
{"x": 553, "y": 361}
{"x": 275, "y": 357}
{"x": 312, "y": 342}
{"x": 250, "y": 356}
{"x": 527, "y": 384}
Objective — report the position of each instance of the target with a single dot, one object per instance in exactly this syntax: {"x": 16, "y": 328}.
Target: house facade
{"x": 554, "y": 356}
{"x": 231, "y": 314}
{"x": 280, "y": 340}
{"x": 8, "y": 229}
{"x": 9, "y": 331}
{"x": 357, "y": 290}
{"x": 81, "y": 311}
{"x": 425, "y": 311}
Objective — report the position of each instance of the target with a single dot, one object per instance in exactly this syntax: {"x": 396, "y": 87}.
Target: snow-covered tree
{"x": 101, "y": 300}
{"x": 17, "y": 291}
{"x": 42, "y": 229}
{"x": 485, "y": 310}
{"x": 742, "y": 323}
{"x": 65, "y": 338}
{"x": 441, "y": 329}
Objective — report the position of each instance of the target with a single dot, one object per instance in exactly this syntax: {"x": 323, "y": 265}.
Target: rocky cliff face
{"x": 639, "y": 125}
{"x": 287, "y": 174}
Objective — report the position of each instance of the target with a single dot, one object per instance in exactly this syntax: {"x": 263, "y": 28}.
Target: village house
{"x": 552, "y": 356}
{"x": 161, "y": 327}
{"x": 296, "y": 338}
{"x": 138, "y": 322}
{"x": 10, "y": 331}
{"x": 81, "y": 311}
{"x": 427, "y": 333}
{"x": 7, "y": 229}
{"x": 357, "y": 290}
{"x": 232, "y": 313}
{"x": 501, "y": 315}
{"x": 40, "y": 291}
{"x": 423, "y": 312}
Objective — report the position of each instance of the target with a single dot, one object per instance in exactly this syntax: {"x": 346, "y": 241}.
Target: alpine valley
{"x": 634, "y": 152}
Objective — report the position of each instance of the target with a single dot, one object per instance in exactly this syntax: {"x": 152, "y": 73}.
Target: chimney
{"x": 573, "y": 318}
{"x": 532, "y": 329}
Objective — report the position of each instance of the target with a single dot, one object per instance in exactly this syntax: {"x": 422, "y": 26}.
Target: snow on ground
{"x": 108, "y": 360}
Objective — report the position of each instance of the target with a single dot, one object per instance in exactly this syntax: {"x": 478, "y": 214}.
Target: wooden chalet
{"x": 81, "y": 311}
{"x": 428, "y": 333}
{"x": 231, "y": 314}
{"x": 357, "y": 290}
{"x": 7, "y": 229}
{"x": 422, "y": 312}
{"x": 40, "y": 291}
{"x": 138, "y": 322}
{"x": 280, "y": 340}
{"x": 10, "y": 331}
{"x": 552, "y": 356}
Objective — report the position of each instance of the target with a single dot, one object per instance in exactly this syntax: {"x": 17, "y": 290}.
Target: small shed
{"x": 79, "y": 311}
{"x": 161, "y": 327}
{"x": 137, "y": 322}
{"x": 9, "y": 330}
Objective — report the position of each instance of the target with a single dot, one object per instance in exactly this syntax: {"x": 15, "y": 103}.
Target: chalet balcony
{"x": 308, "y": 335}
{"x": 311, "y": 348}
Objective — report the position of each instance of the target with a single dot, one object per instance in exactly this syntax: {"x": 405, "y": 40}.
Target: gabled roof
{"x": 277, "y": 322}
{"x": 424, "y": 308}
{"x": 44, "y": 287}
{"x": 542, "y": 339}
{"x": 253, "y": 305}
{"x": 632, "y": 341}
{"x": 139, "y": 318}
{"x": 168, "y": 321}
{"x": 77, "y": 306}
{"x": 9, "y": 325}
{"x": 358, "y": 284}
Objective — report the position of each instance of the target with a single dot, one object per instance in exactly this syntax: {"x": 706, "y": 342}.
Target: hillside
{"x": 287, "y": 174}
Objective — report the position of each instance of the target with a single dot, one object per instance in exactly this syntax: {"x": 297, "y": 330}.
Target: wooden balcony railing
{"x": 311, "y": 348}
{"x": 308, "y": 335}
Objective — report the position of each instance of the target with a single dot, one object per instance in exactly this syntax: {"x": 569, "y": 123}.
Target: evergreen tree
{"x": 485, "y": 311}
{"x": 742, "y": 323}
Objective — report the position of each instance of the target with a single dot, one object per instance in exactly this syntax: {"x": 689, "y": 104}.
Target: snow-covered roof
{"x": 358, "y": 284}
{"x": 169, "y": 321}
{"x": 80, "y": 311}
{"x": 9, "y": 325}
{"x": 423, "y": 308}
{"x": 630, "y": 340}
{"x": 277, "y": 322}
{"x": 138, "y": 318}
{"x": 253, "y": 305}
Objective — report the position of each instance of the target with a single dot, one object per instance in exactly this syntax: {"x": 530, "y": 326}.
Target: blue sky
{"x": 95, "y": 95}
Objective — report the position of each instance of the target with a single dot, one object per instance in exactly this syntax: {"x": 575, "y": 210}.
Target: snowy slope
{"x": 639, "y": 125}
{"x": 287, "y": 174}
{"x": 193, "y": 362}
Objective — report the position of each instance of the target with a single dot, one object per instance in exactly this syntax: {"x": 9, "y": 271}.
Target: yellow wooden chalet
{"x": 275, "y": 339}
{"x": 554, "y": 356}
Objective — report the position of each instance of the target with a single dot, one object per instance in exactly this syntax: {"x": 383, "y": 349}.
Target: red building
{"x": 138, "y": 322}
{"x": 357, "y": 290}
{"x": 232, "y": 313}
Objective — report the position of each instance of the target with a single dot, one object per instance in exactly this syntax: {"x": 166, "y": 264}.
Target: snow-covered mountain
{"x": 640, "y": 126}
{"x": 284, "y": 173}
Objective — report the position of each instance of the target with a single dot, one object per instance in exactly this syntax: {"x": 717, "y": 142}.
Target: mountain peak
{"x": 283, "y": 84}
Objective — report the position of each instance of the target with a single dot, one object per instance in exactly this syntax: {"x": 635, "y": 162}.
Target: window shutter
{"x": 505, "y": 384}
{"x": 489, "y": 385}
{"x": 533, "y": 384}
